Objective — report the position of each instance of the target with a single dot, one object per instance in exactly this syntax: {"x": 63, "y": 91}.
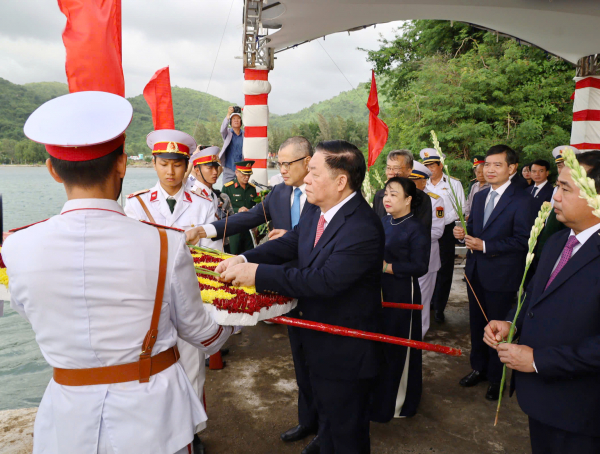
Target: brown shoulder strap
{"x": 150, "y": 218}
{"x": 150, "y": 339}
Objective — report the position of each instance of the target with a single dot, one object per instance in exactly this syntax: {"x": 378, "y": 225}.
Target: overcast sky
{"x": 185, "y": 35}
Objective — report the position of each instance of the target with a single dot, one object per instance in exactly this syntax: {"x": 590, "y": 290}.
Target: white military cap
{"x": 419, "y": 171}
{"x": 80, "y": 126}
{"x": 207, "y": 155}
{"x": 430, "y": 155}
{"x": 171, "y": 144}
{"x": 558, "y": 151}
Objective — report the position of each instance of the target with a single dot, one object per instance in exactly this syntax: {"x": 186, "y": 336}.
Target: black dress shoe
{"x": 314, "y": 447}
{"x": 297, "y": 433}
{"x": 493, "y": 392}
{"x": 472, "y": 379}
{"x": 439, "y": 316}
{"x": 197, "y": 445}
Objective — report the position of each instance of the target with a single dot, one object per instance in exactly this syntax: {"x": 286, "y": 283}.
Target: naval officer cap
{"x": 80, "y": 126}
{"x": 430, "y": 155}
{"x": 558, "y": 151}
{"x": 206, "y": 156}
{"x": 419, "y": 171}
{"x": 171, "y": 144}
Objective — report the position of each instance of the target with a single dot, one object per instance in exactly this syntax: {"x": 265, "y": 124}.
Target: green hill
{"x": 196, "y": 113}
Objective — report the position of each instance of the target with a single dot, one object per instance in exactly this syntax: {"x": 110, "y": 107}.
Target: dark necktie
{"x": 534, "y": 191}
{"x": 171, "y": 203}
{"x": 564, "y": 258}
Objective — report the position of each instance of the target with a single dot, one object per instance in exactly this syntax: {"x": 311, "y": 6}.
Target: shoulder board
{"x": 143, "y": 191}
{"x": 226, "y": 185}
{"x": 26, "y": 226}
{"x": 202, "y": 196}
{"x": 163, "y": 226}
{"x": 251, "y": 184}
{"x": 453, "y": 178}
{"x": 474, "y": 179}
{"x": 433, "y": 196}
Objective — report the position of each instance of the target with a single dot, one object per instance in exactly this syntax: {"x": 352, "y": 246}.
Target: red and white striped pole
{"x": 585, "y": 133}
{"x": 256, "y": 120}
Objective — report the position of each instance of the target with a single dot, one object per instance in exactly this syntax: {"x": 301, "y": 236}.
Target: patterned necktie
{"x": 534, "y": 191}
{"x": 564, "y": 258}
{"x": 489, "y": 207}
{"x": 296, "y": 207}
{"x": 171, "y": 203}
{"x": 320, "y": 229}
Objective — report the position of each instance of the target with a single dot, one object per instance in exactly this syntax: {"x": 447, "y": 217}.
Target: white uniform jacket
{"x": 442, "y": 188}
{"x": 207, "y": 194}
{"x": 437, "y": 230}
{"x": 190, "y": 212}
{"x": 86, "y": 281}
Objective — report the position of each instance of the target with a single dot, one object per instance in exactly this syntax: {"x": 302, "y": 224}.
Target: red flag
{"x": 157, "y": 94}
{"x": 92, "y": 39}
{"x": 378, "y": 130}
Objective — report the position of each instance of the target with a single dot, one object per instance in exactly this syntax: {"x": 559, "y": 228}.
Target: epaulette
{"x": 251, "y": 185}
{"x": 474, "y": 179}
{"x": 143, "y": 191}
{"x": 433, "y": 196}
{"x": 26, "y": 226}
{"x": 202, "y": 196}
{"x": 226, "y": 185}
{"x": 163, "y": 226}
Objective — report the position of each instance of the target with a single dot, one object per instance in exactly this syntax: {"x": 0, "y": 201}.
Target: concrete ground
{"x": 253, "y": 400}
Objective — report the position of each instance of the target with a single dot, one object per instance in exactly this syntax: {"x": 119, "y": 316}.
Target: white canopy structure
{"x": 565, "y": 28}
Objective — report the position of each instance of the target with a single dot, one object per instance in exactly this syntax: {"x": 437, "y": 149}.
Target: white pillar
{"x": 256, "y": 120}
{"x": 585, "y": 133}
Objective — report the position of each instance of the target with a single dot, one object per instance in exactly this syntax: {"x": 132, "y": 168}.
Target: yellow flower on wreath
{"x": 209, "y": 295}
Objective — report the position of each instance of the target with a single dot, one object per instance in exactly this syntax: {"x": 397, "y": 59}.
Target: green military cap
{"x": 244, "y": 166}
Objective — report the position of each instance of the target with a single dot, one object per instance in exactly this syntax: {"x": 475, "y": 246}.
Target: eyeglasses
{"x": 286, "y": 165}
{"x": 394, "y": 169}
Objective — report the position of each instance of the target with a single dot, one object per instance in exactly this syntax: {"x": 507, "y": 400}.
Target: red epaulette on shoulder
{"x": 200, "y": 195}
{"x": 143, "y": 191}
{"x": 163, "y": 226}
{"x": 26, "y": 226}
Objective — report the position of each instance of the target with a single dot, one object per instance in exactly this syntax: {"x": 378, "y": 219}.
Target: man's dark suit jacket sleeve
{"x": 424, "y": 211}
{"x": 341, "y": 270}
{"x": 245, "y": 220}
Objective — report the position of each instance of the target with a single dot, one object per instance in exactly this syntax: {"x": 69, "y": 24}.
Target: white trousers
{"x": 427, "y": 285}
{"x": 192, "y": 361}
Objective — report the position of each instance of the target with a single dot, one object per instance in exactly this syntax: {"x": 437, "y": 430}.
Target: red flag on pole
{"x": 157, "y": 94}
{"x": 92, "y": 38}
{"x": 378, "y": 130}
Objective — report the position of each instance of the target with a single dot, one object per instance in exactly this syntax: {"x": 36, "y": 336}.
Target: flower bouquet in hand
{"x": 456, "y": 203}
{"x": 586, "y": 185}
{"x": 537, "y": 228}
{"x": 231, "y": 305}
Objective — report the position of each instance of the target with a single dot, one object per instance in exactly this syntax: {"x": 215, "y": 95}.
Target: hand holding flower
{"x": 495, "y": 332}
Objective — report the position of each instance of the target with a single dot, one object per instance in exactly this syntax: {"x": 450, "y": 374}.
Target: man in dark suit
{"x": 400, "y": 164}
{"x": 557, "y": 360}
{"x": 498, "y": 230}
{"x": 541, "y": 190}
{"x": 283, "y": 206}
{"x": 339, "y": 247}
{"x": 517, "y": 179}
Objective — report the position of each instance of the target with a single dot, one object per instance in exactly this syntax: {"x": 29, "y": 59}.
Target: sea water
{"x": 29, "y": 194}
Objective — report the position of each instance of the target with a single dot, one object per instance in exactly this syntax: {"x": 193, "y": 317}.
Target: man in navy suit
{"x": 541, "y": 190}
{"x": 557, "y": 360}
{"x": 339, "y": 247}
{"x": 283, "y": 206}
{"x": 498, "y": 230}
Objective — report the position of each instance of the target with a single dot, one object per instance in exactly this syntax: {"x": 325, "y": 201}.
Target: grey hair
{"x": 301, "y": 144}
{"x": 406, "y": 154}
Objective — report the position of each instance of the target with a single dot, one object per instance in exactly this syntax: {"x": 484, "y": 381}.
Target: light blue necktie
{"x": 489, "y": 207}
{"x": 296, "y": 207}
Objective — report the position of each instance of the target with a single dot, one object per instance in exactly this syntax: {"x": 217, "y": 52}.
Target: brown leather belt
{"x": 147, "y": 365}
{"x": 115, "y": 374}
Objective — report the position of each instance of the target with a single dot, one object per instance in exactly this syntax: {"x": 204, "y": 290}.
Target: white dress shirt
{"x": 86, "y": 281}
{"x": 331, "y": 212}
{"x": 539, "y": 188}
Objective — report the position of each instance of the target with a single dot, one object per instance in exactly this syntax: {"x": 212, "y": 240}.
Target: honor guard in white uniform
{"x": 205, "y": 165}
{"x": 439, "y": 183}
{"x": 169, "y": 203}
{"x": 419, "y": 175}
{"x": 106, "y": 296}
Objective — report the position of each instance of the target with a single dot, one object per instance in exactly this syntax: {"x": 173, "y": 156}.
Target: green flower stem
{"x": 205, "y": 271}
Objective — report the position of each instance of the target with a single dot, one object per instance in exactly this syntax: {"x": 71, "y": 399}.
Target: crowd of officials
{"x": 329, "y": 248}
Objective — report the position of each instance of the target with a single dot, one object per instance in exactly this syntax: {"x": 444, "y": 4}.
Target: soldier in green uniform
{"x": 242, "y": 194}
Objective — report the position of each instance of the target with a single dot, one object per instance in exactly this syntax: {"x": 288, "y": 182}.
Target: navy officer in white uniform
{"x": 87, "y": 280}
